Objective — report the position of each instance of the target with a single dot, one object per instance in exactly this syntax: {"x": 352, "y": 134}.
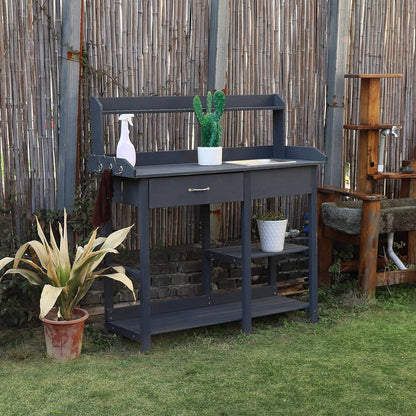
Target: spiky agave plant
{"x": 210, "y": 121}
{"x": 65, "y": 283}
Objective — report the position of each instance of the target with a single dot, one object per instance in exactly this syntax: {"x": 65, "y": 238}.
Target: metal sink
{"x": 256, "y": 162}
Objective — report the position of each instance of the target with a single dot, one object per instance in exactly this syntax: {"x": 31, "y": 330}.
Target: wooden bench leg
{"x": 324, "y": 244}
{"x": 367, "y": 267}
{"x": 324, "y": 259}
{"x": 408, "y": 190}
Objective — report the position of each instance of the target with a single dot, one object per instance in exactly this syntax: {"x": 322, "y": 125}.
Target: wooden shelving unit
{"x": 369, "y": 127}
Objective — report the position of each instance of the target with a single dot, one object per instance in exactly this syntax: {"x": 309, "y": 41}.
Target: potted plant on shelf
{"x": 272, "y": 231}
{"x": 210, "y": 151}
{"x": 65, "y": 282}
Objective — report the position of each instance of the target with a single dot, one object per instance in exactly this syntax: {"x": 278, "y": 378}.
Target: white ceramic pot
{"x": 210, "y": 156}
{"x": 272, "y": 235}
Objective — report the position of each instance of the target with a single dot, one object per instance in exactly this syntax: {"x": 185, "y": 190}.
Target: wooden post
{"x": 218, "y": 45}
{"x": 72, "y": 16}
{"x": 408, "y": 190}
{"x": 367, "y": 268}
{"x": 324, "y": 243}
{"x": 337, "y": 52}
{"x": 217, "y": 76}
{"x": 368, "y": 148}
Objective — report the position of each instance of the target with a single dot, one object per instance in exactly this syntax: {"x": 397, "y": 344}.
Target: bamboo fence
{"x": 28, "y": 110}
{"x": 160, "y": 47}
{"x": 383, "y": 41}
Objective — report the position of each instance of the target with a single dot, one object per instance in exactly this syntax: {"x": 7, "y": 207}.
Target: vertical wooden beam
{"x": 408, "y": 190}
{"x": 370, "y": 101}
{"x": 368, "y": 146}
{"x": 218, "y": 45}
{"x": 367, "y": 268}
{"x": 72, "y": 16}
{"x": 324, "y": 243}
{"x": 337, "y": 52}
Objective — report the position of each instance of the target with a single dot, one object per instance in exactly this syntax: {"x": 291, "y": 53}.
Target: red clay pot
{"x": 64, "y": 338}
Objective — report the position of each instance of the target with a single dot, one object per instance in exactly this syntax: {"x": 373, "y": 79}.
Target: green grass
{"x": 360, "y": 359}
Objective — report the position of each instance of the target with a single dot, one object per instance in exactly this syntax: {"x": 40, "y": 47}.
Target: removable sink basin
{"x": 395, "y": 215}
{"x": 255, "y": 162}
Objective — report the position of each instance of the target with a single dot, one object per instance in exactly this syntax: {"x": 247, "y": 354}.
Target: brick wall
{"x": 176, "y": 271}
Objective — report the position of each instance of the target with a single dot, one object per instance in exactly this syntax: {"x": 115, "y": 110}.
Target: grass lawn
{"x": 360, "y": 359}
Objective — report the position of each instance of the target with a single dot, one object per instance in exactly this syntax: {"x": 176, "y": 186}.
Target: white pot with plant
{"x": 272, "y": 231}
{"x": 210, "y": 151}
{"x": 65, "y": 282}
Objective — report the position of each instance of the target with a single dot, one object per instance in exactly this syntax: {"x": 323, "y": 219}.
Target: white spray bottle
{"x": 125, "y": 148}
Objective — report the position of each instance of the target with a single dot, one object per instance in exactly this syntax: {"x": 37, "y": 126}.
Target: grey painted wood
{"x": 246, "y": 303}
{"x": 234, "y": 254}
{"x": 98, "y": 161}
{"x": 195, "y": 189}
{"x": 190, "y": 303}
{"x": 209, "y": 315}
{"x": 175, "y": 104}
{"x": 173, "y": 179}
{"x": 337, "y": 58}
{"x": 304, "y": 153}
{"x": 144, "y": 293}
{"x": 272, "y": 272}
{"x": 171, "y": 104}
{"x": 206, "y": 240}
{"x": 313, "y": 250}
{"x": 188, "y": 169}
{"x": 69, "y": 104}
{"x": 282, "y": 182}
{"x": 218, "y": 45}
{"x": 238, "y": 182}
{"x": 97, "y": 128}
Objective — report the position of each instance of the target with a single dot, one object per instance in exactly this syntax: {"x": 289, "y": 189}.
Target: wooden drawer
{"x": 282, "y": 182}
{"x": 195, "y": 190}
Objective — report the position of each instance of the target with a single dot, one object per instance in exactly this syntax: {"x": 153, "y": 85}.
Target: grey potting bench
{"x": 163, "y": 179}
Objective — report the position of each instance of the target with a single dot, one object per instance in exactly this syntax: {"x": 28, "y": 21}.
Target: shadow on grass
{"x": 335, "y": 303}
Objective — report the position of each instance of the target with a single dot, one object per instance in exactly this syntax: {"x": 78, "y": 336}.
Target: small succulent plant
{"x": 271, "y": 216}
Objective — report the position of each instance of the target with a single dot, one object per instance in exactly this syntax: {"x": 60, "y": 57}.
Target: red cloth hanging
{"x": 102, "y": 208}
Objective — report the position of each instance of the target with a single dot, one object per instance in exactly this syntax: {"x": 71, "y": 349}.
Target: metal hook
{"x": 100, "y": 168}
{"x": 120, "y": 171}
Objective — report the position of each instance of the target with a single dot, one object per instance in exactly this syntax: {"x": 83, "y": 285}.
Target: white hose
{"x": 380, "y": 167}
{"x": 392, "y": 254}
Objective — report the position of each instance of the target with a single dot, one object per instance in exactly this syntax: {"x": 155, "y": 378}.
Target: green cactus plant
{"x": 210, "y": 121}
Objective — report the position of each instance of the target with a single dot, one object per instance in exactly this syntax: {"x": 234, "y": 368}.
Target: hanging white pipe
{"x": 380, "y": 167}
{"x": 392, "y": 254}
{"x": 382, "y": 145}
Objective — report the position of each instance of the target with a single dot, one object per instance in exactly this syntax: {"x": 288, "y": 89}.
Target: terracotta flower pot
{"x": 64, "y": 338}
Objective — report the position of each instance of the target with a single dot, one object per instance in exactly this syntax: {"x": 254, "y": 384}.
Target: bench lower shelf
{"x": 234, "y": 254}
{"x": 206, "y": 315}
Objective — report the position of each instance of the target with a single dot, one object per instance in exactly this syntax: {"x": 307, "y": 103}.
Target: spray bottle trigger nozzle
{"x": 127, "y": 117}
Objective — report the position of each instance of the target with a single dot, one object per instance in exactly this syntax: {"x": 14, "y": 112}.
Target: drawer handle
{"x": 198, "y": 189}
